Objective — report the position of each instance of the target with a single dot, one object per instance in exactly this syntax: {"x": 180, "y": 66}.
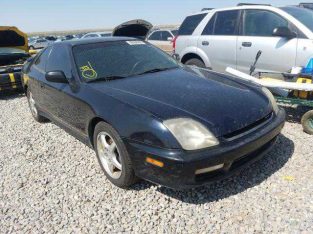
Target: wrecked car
{"x": 13, "y": 54}
{"x": 144, "y": 30}
{"x": 152, "y": 118}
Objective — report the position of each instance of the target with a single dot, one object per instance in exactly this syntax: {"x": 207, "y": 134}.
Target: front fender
{"x": 131, "y": 122}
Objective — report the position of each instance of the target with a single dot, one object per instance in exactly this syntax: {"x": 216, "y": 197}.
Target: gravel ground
{"x": 51, "y": 182}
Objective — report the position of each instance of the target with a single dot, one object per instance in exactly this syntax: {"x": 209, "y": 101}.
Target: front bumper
{"x": 180, "y": 166}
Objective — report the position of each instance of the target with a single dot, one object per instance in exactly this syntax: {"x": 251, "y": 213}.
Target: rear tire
{"x": 113, "y": 156}
{"x": 195, "y": 62}
{"x": 33, "y": 108}
{"x": 307, "y": 122}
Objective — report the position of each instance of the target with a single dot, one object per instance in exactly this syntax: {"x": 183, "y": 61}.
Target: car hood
{"x": 135, "y": 28}
{"x": 220, "y": 103}
{"x": 11, "y": 37}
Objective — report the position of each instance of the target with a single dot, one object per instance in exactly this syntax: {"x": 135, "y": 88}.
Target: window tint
{"x": 91, "y": 35}
{"x": 41, "y": 60}
{"x": 59, "y": 60}
{"x": 305, "y": 16}
{"x": 208, "y": 30}
{"x": 105, "y": 34}
{"x": 190, "y": 23}
{"x": 262, "y": 23}
{"x": 226, "y": 22}
{"x": 156, "y": 36}
{"x": 165, "y": 35}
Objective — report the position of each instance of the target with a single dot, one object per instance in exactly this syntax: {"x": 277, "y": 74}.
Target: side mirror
{"x": 284, "y": 32}
{"x": 176, "y": 57}
{"x": 170, "y": 38}
{"x": 56, "y": 77}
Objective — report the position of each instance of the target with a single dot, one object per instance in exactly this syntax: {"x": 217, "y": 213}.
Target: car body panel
{"x": 154, "y": 92}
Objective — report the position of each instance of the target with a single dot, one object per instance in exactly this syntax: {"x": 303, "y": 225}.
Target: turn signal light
{"x": 154, "y": 162}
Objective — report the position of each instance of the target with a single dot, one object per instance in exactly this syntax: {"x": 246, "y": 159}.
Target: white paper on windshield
{"x": 135, "y": 42}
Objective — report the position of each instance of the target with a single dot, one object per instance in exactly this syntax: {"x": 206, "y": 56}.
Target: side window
{"x": 190, "y": 24}
{"x": 226, "y": 23}
{"x": 209, "y": 28}
{"x": 91, "y": 35}
{"x": 41, "y": 60}
{"x": 261, "y": 23}
{"x": 59, "y": 60}
{"x": 156, "y": 36}
{"x": 165, "y": 35}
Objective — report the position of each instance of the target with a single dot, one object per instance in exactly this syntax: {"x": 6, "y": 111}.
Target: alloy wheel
{"x": 109, "y": 155}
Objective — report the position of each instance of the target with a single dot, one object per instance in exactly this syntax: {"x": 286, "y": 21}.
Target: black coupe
{"x": 146, "y": 115}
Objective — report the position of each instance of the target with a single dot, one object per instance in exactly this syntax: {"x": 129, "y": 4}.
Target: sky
{"x": 58, "y": 15}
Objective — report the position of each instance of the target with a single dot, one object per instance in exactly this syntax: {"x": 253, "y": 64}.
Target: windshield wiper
{"x": 155, "y": 70}
{"x": 107, "y": 78}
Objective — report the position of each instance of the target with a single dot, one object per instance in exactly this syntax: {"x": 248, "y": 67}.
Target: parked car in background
{"x": 13, "y": 54}
{"x": 148, "y": 116}
{"x": 39, "y": 43}
{"x": 163, "y": 39}
{"x": 51, "y": 38}
{"x": 96, "y": 34}
{"x": 306, "y": 5}
{"x": 219, "y": 38}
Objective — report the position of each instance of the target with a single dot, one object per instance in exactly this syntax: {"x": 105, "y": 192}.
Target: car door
{"x": 66, "y": 107}
{"x": 278, "y": 53}
{"x": 37, "y": 79}
{"x": 219, "y": 39}
{"x": 166, "y": 43}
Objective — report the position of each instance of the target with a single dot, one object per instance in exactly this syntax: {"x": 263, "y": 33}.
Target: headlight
{"x": 191, "y": 134}
{"x": 271, "y": 98}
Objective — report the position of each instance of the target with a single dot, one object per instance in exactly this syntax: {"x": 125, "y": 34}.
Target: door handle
{"x": 246, "y": 44}
{"x": 205, "y": 43}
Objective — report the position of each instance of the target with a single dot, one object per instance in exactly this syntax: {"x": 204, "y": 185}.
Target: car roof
{"x": 85, "y": 41}
{"x": 262, "y": 7}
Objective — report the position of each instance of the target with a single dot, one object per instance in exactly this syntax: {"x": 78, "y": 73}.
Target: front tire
{"x": 307, "y": 122}
{"x": 33, "y": 107}
{"x": 113, "y": 156}
{"x": 195, "y": 62}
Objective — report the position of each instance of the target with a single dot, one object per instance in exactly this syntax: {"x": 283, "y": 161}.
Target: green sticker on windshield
{"x": 88, "y": 72}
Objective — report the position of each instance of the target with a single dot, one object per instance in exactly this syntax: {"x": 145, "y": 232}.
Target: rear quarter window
{"x": 190, "y": 24}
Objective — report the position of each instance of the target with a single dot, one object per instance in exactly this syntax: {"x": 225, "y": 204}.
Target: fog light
{"x": 154, "y": 162}
{"x": 209, "y": 169}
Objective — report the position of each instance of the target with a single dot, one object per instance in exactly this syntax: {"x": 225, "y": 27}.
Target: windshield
{"x": 119, "y": 59}
{"x": 305, "y": 16}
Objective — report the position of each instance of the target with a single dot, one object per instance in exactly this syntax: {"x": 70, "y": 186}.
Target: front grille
{"x": 248, "y": 128}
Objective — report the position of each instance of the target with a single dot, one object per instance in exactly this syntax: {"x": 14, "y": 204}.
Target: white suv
{"x": 232, "y": 37}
